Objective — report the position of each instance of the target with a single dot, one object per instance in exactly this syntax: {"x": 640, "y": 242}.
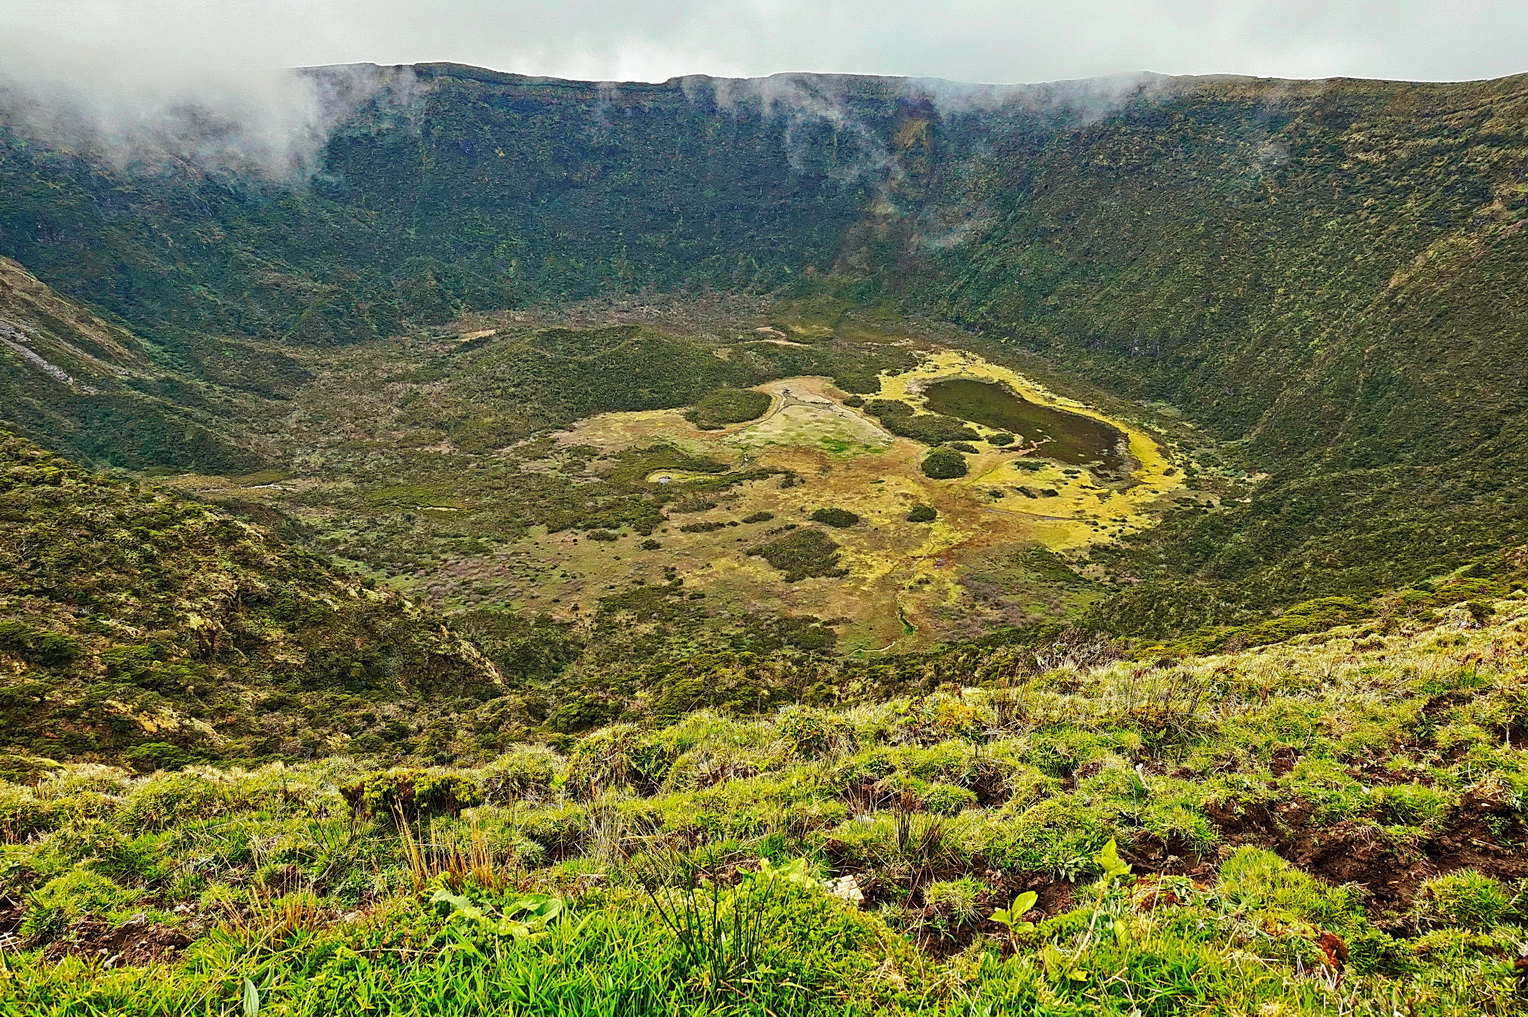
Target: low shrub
{"x": 801, "y": 554}
{"x": 22, "y": 814}
{"x": 836, "y": 517}
{"x": 23, "y": 769}
{"x": 811, "y": 732}
{"x": 720, "y": 407}
{"x": 522, "y": 773}
{"x": 947, "y": 799}
{"x": 956, "y": 900}
{"x": 39, "y": 646}
{"x": 176, "y": 798}
{"x": 410, "y": 793}
{"x": 151, "y": 756}
{"x": 944, "y": 464}
{"x": 1465, "y": 899}
{"x": 64, "y": 900}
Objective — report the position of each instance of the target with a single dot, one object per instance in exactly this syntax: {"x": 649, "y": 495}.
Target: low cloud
{"x": 156, "y": 116}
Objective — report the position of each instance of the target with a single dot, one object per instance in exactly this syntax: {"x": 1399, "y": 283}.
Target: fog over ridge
{"x": 153, "y": 116}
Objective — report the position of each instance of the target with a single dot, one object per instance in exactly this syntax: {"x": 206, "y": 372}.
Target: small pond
{"x": 1065, "y": 437}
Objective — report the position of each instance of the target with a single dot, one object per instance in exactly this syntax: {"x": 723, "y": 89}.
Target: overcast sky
{"x": 971, "y": 40}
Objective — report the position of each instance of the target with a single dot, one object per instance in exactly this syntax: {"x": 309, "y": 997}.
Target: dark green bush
{"x": 929, "y": 428}
{"x": 151, "y": 756}
{"x": 944, "y": 464}
{"x": 802, "y": 553}
{"x": 723, "y": 406}
{"x": 39, "y": 646}
{"x": 836, "y": 517}
{"x": 922, "y": 514}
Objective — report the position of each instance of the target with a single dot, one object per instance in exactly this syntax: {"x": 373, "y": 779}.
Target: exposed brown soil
{"x": 135, "y": 942}
{"x": 10, "y": 921}
{"x": 1390, "y": 873}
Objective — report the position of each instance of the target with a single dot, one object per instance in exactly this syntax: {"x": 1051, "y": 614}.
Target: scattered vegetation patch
{"x": 704, "y": 527}
{"x": 943, "y": 464}
{"x": 835, "y": 517}
{"x": 723, "y": 406}
{"x": 802, "y": 553}
{"x": 922, "y": 514}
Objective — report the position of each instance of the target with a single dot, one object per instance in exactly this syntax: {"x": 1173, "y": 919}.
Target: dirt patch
{"x": 1160, "y": 856}
{"x": 133, "y": 943}
{"x": 1352, "y": 852}
{"x": 10, "y": 922}
{"x": 1283, "y": 761}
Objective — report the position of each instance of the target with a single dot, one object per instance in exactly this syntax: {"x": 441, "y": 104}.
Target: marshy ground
{"x": 909, "y": 583}
{"x": 556, "y": 473}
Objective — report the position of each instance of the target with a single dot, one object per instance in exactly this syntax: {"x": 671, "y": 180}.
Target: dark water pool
{"x": 1065, "y": 437}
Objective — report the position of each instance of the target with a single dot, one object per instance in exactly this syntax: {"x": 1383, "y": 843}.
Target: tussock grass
{"x": 1335, "y": 824}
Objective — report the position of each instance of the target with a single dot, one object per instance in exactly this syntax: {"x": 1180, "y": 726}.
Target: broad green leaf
{"x": 1110, "y": 861}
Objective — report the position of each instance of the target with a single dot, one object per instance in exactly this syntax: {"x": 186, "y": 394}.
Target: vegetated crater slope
{"x": 1323, "y": 271}
{"x": 138, "y": 625}
{"x": 93, "y": 389}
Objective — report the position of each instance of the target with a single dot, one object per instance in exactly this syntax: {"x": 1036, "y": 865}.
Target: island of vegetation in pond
{"x": 1065, "y": 437}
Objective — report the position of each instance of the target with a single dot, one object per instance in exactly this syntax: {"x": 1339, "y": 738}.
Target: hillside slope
{"x": 1323, "y": 271}
{"x": 80, "y": 384}
{"x": 1327, "y": 826}
{"x": 137, "y": 625}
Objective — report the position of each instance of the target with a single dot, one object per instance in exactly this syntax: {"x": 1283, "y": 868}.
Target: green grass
{"x": 1351, "y": 788}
